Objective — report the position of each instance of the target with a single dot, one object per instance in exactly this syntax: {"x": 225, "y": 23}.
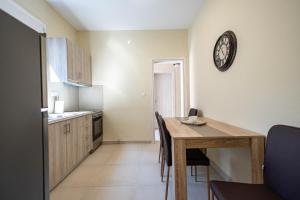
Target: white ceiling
{"x": 128, "y": 14}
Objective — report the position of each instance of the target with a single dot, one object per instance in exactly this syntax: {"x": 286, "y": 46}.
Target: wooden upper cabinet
{"x": 86, "y": 67}
{"x": 70, "y": 60}
{"x": 68, "y": 63}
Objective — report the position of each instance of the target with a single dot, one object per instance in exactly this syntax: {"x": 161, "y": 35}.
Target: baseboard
{"x": 220, "y": 171}
{"x": 129, "y": 142}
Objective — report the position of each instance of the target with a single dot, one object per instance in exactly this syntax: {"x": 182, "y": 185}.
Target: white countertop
{"x": 54, "y": 118}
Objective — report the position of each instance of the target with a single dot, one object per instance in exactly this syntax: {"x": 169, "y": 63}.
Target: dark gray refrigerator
{"x": 23, "y": 112}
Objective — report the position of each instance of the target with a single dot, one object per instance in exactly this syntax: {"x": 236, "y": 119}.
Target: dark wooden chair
{"x": 193, "y": 112}
{"x": 194, "y": 157}
{"x": 281, "y": 171}
{"x": 161, "y": 154}
{"x": 160, "y": 136}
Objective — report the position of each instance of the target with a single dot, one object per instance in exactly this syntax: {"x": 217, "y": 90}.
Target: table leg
{"x": 257, "y": 159}
{"x": 180, "y": 180}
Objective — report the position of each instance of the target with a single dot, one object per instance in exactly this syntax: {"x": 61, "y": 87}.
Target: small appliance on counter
{"x": 91, "y": 99}
{"x": 59, "y": 107}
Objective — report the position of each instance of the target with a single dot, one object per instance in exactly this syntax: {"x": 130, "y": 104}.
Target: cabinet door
{"x": 72, "y": 142}
{"x": 57, "y": 152}
{"x": 71, "y": 72}
{"x": 80, "y": 135}
{"x": 89, "y": 69}
{"x": 85, "y": 67}
{"x": 85, "y": 140}
{"x": 78, "y": 64}
{"x": 88, "y": 133}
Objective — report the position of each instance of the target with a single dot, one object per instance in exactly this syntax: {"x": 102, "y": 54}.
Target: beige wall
{"x": 55, "y": 26}
{"x": 262, "y": 86}
{"x": 122, "y": 62}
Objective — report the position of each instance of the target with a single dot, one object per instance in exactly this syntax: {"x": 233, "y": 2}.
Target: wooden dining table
{"x": 214, "y": 134}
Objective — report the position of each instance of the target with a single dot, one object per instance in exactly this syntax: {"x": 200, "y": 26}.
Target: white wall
{"x": 122, "y": 63}
{"x": 262, "y": 86}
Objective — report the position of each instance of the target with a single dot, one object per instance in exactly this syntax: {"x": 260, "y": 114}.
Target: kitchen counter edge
{"x": 78, "y": 114}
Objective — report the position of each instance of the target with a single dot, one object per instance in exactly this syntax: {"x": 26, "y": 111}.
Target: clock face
{"x": 225, "y": 50}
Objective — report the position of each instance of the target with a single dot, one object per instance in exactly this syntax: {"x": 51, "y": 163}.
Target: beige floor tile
{"x": 67, "y": 194}
{"x": 124, "y": 157}
{"x": 121, "y": 147}
{"x": 98, "y": 158}
{"x": 110, "y": 193}
{"x": 149, "y": 157}
{"x": 83, "y": 176}
{"x": 150, "y": 193}
{"x": 124, "y": 172}
{"x": 153, "y": 147}
{"x": 149, "y": 175}
{"x": 118, "y": 175}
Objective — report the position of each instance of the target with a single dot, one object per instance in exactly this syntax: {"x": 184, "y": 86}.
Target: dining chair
{"x": 281, "y": 171}
{"x": 194, "y": 112}
{"x": 161, "y": 148}
{"x": 160, "y": 137}
{"x": 194, "y": 157}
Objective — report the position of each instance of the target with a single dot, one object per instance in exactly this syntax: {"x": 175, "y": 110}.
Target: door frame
{"x": 184, "y": 87}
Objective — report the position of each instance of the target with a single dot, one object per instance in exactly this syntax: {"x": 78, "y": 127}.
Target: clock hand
{"x": 222, "y": 51}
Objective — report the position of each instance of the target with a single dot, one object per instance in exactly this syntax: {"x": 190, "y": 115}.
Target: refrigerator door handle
{"x": 44, "y": 110}
{"x": 44, "y": 70}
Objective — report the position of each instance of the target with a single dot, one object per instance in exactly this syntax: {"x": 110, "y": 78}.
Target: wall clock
{"x": 225, "y": 50}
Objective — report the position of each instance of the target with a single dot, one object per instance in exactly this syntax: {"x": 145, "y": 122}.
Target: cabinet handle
{"x": 69, "y": 128}
{"x": 65, "y": 129}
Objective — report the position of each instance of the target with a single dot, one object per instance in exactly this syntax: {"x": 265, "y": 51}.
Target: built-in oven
{"x": 97, "y": 129}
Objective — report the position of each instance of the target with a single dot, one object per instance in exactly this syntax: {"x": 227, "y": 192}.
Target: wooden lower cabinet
{"x": 57, "y": 152}
{"x": 85, "y": 140}
{"x": 70, "y": 142}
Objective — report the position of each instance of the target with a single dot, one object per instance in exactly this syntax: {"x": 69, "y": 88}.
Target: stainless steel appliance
{"x": 23, "y": 120}
{"x": 97, "y": 129}
{"x": 91, "y": 99}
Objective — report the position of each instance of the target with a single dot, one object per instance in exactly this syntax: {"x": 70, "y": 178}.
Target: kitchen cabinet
{"x": 57, "y": 152}
{"x": 68, "y": 63}
{"x": 85, "y": 139}
{"x": 70, "y": 141}
{"x": 86, "y": 71}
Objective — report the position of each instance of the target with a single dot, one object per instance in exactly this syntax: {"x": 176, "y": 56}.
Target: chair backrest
{"x": 282, "y": 161}
{"x": 159, "y": 127}
{"x": 193, "y": 112}
{"x": 167, "y": 143}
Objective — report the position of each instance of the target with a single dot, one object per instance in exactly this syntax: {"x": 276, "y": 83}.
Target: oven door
{"x": 97, "y": 127}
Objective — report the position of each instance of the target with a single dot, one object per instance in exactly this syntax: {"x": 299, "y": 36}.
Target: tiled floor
{"x": 123, "y": 172}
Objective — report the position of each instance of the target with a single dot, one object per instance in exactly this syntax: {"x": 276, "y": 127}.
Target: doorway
{"x": 168, "y": 90}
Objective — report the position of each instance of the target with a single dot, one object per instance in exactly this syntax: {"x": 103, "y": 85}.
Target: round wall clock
{"x": 225, "y": 50}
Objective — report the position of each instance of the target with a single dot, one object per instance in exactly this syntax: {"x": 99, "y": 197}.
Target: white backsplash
{"x": 91, "y": 98}
{"x": 67, "y": 93}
